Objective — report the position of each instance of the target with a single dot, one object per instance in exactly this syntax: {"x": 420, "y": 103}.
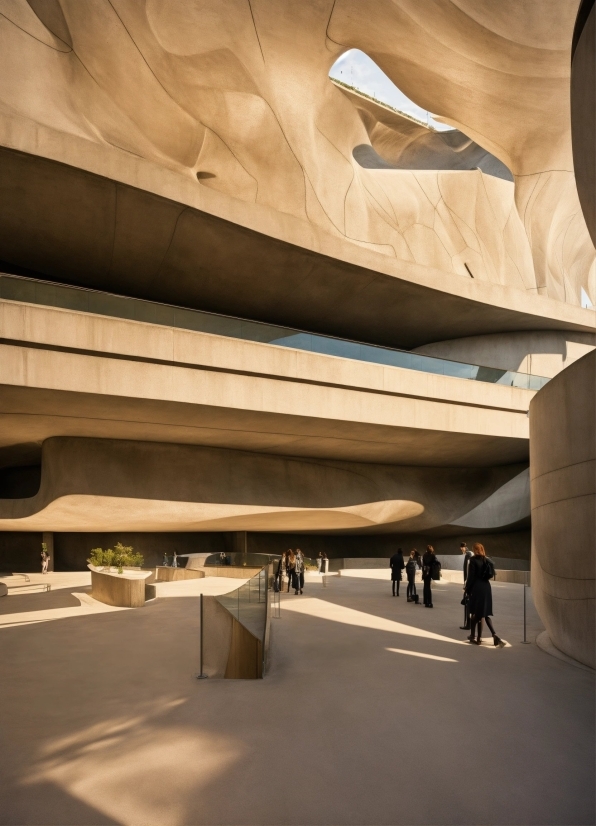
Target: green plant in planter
{"x": 122, "y": 556}
{"x": 96, "y": 558}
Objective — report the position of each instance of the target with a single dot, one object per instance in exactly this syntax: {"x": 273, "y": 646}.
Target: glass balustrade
{"x": 33, "y": 291}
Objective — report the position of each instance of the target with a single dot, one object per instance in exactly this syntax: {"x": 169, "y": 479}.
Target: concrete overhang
{"x": 94, "y": 215}
{"x": 64, "y": 373}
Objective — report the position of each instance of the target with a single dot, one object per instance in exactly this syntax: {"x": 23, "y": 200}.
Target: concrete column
{"x": 240, "y": 542}
{"x": 48, "y": 538}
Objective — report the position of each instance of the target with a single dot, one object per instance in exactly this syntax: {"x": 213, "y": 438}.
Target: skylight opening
{"x": 357, "y": 71}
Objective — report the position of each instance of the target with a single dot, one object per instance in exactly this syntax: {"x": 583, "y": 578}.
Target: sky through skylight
{"x": 357, "y": 69}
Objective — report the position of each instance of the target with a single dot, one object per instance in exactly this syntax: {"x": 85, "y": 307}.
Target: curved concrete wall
{"x": 563, "y": 495}
{"x": 541, "y": 353}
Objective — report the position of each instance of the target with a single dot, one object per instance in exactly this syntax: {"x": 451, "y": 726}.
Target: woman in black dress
{"x": 480, "y": 571}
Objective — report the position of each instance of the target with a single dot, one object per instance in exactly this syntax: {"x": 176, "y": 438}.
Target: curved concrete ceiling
{"x": 97, "y": 484}
{"x": 227, "y": 115}
{"x": 506, "y": 506}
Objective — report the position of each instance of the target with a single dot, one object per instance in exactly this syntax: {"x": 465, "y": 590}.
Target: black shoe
{"x": 431, "y": 605}
{"x": 465, "y": 627}
{"x": 498, "y": 641}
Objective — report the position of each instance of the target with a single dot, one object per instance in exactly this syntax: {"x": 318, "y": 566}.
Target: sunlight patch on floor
{"x": 321, "y": 609}
{"x": 420, "y": 654}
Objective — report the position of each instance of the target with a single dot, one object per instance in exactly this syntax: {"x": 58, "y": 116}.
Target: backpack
{"x": 435, "y": 570}
{"x": 488, "y": 569}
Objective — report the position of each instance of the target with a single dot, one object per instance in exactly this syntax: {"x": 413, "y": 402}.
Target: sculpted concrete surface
{"x": 228, "y": 115}
{"x": 583, "y": 114}
{"x": 563, "y": 493}
{"x": 95, "y": 485}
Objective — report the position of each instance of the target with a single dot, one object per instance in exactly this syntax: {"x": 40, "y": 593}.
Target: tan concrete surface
{"x": 282, "y": 166}
{"x": 563, "y": 495}
{"x": 124, "y": 733}
{"x": 541, "y": 353}
{"x": 110, "y": 485}
{"x": 126, "y": 590}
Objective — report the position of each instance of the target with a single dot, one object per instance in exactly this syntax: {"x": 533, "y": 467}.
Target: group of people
{"x": 477, "y": 600}
{"x": 428, "y": 564}
{"x": 291, "y": 565}
{"x": 166, "y": 561}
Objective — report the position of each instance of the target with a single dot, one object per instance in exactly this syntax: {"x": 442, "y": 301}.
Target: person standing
{"x": 396, "y": 563}
{"x": 165, "y": 560}
{"x": 299, "y": 571}
{"x": 44, "y": 559}
{"x": 324, "y": 563}
{"x": 429, "y": 561}
{"x": 467, "y": 557}
{"x": 175, "y": 560}
{"x": 290, "y": 567}
{"x": 480, "y": 571}
{"x": 412, "y": 566}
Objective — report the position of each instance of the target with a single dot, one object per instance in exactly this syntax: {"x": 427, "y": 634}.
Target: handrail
{"x": 83, "y": 299}
{"x": 25, "y": 577}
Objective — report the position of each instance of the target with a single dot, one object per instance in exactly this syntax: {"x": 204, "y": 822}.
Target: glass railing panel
{"x": 299, "y": 341}
{"x": 157, "y": 314}
{"x": 63, "y": 297}
{"x": 490, "y": 375}
{"x": 248, "y": 604}
{"x": 536, "y": 382}
{"x": 519, "y": 380}
{"x": 459, "y": 370}
{"x": 112, "y": 305}
{"x": 336, "y": 347}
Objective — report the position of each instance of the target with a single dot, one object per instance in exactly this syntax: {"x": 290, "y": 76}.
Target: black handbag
{"x": 466, "y": 599}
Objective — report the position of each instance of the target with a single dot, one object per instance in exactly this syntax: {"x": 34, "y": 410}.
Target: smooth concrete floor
{"x": 102, "y": 720}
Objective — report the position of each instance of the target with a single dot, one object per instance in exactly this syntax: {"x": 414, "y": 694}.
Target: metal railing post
{"x": 525, "y": 641}
{"x": 200, "y": 675}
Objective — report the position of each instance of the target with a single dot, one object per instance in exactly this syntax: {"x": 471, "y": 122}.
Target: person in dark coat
{"x": 412, "y": 565}
{"x": 396, "y": 563}
{"x": 428, "y": 560}
{"x": 480, "y": 571}
{"x": 467, "y": 557}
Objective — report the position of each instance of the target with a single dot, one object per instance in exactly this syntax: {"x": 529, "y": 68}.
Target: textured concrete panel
{"x": 229, "y": 107}
{"x": 563, "y": 493}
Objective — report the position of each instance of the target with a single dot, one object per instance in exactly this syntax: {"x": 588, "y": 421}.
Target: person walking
{"x": 412, "y": 565}
{"x": 299, "y": 569}
{"x": 429, "y": 562}
{"x": 319, "y": 561}
{"x": 290, "y": 567}
{"x": 480, "y": 571}
{"x": 44, "y": 561}
{"x": 396, "y": 563}
{"x": 467, "y": 557}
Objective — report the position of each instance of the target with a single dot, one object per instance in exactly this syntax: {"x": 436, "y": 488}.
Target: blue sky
{"x": 357, "y": 69}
